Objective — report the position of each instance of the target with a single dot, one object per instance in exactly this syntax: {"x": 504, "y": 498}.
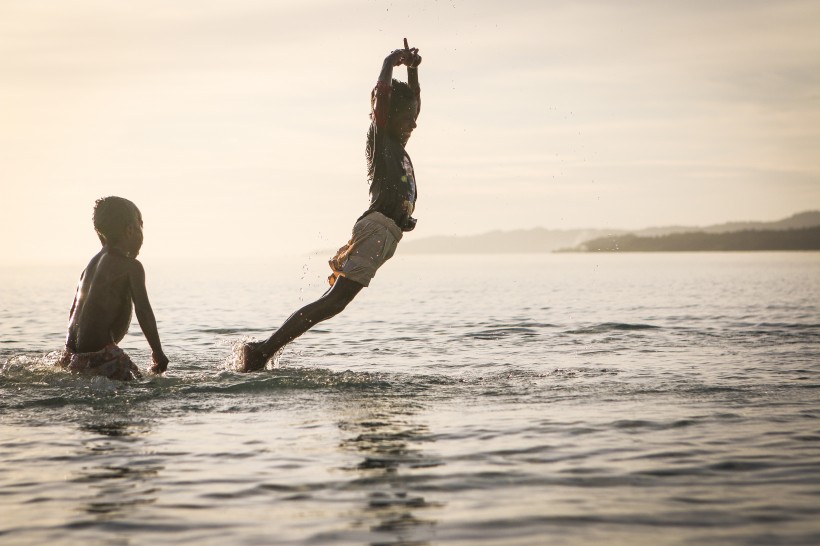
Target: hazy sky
{"x": 238, "y": 126}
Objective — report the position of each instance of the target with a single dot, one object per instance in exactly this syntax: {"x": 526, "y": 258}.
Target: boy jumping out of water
{"x": 394, "y": 109}
{"x": 110, "y": 283}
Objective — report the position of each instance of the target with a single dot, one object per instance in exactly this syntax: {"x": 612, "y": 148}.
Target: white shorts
{"x": 374, "y": 241}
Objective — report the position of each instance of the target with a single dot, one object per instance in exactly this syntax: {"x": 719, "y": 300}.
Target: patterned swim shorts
{"x": 110, "y": 362}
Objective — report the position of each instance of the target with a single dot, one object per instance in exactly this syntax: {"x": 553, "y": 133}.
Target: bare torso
{"x": 101, "y": 313}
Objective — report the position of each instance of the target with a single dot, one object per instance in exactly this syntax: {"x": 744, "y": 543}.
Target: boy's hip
{"x": 373, "y": 242}
{"x": 110, "y": 361}
{"x": 382, "y": 220}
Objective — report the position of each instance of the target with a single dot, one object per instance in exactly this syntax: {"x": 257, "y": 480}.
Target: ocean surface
{"x": 460, "y": 400}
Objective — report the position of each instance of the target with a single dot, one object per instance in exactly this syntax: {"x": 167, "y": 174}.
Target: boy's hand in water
{"x": 160, "y": 363}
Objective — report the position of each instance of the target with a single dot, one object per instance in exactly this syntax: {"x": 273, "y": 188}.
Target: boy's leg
{"x": 255, "y": 355}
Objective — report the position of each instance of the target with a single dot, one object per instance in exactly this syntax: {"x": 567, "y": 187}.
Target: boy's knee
{"x": 338, "y": 298}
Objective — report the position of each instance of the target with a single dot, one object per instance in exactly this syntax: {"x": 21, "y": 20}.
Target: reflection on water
{"x": 386, "y": 433}
{"x": 117, "y": 477}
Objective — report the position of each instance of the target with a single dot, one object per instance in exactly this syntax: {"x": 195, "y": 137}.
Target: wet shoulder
{"x": 113, "y": 266}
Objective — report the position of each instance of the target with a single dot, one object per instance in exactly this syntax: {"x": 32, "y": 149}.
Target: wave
{"x": 612, "y": 327}
{"x": 223, "y": 331}
{"x": 503, "y": 330}
{"x": 777, "y": 327}
{"x": 498, "y": 333}
{"x": 34, "y": 381}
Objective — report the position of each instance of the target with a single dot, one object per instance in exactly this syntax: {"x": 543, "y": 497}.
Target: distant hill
{"x": 541, "y": 240}
{"x": 748, "y": 239}
{"x": 536, "y": 240}
{"x": 796, "y": 221}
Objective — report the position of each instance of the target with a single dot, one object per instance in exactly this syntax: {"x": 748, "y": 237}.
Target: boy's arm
{"x": 413, "y": 81}
{"x": 145, "y": 316}
{"x": 384, "y": 88}
{"x": 381, "y": 94}
{"x": 76, "y": 295}
{"x": 413, "y": 60}
{"x": 74, "y": 303}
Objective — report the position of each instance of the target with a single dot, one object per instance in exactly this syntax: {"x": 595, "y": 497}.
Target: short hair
{"x": 401, "y": 97}
{"x": 112, "y": 215}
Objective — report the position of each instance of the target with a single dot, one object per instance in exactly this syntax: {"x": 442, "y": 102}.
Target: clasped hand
{"x": 408, "y": 56}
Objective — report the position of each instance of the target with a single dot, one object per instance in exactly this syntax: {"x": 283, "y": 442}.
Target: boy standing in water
{"x": 394, "y": 109}
{"x": 111, "y": 282}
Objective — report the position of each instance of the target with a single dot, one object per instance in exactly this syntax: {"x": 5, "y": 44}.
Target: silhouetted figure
{"x": 394, "y": 109}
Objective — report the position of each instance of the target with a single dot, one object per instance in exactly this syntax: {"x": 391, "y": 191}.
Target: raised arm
{"x": 413, "y": 60}
{"x": 381, "y": 94}
{"x": 145, "y": 316}
{"x": 380, "y": 99}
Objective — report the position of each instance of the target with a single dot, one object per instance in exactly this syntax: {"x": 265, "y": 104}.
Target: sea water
{"x": 500, "y": 399}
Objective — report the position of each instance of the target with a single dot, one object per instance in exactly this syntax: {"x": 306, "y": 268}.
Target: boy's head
{"x": 404, "y": 109}
{"x": 117, "y": 220}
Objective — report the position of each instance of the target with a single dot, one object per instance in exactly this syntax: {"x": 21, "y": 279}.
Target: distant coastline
{"x": 698, "y": 241}
{"x": 797, "y": 232}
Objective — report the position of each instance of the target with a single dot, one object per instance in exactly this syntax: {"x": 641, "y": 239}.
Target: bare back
{"x": 101, "y": 313}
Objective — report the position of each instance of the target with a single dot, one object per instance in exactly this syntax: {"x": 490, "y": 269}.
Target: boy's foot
{"x": 250, "y": 358}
